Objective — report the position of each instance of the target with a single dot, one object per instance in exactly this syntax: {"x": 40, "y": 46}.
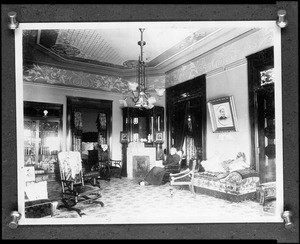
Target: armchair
{"x": 108, "y": 167}
{"x": 172, "y": 169}
{"x": 74, "y": 189}
{"x": 186, "y": 177}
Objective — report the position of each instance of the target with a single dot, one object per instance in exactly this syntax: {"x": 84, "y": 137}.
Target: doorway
{"x": 89, "y": 128}
{"x": 186, "y": 118}
{"x": 262, "y": 113}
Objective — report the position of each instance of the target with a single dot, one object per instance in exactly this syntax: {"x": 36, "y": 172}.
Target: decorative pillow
{"x": 213, "y": 165}
{"x": 237, "y": 164}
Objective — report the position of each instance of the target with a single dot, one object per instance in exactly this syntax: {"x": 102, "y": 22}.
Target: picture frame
{"x": 123, "y": 137}
{"x": 223, "y": 114}
{"x": 159, "y": 136}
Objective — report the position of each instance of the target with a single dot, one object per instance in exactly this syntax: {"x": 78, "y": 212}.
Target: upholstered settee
{"x": 231, "y": 180}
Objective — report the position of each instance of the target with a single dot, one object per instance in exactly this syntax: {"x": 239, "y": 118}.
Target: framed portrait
{"x": 123, "y": 137}
{"x": 159, "y": 136}
{"x": 223, "y": 114}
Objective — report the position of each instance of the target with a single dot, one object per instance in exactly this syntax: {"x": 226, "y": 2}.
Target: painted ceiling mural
{"x": 223, "y": 56}
{"x": 99, "y": 46}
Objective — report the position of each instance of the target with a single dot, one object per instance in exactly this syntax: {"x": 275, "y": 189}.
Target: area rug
{"x": 125, "y": 201}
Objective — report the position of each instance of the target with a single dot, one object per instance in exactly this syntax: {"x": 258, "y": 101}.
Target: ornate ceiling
{"x": 118, "y": 47}
{"x": 111, "y": 49}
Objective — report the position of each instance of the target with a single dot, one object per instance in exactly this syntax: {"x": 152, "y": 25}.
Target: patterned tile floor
{"x": 125, "y": 201}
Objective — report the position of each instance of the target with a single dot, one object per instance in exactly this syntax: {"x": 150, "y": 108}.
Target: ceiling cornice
{"x": 211, "y": 43}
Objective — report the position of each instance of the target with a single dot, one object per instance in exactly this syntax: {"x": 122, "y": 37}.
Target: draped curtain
{"x": 180, "y": 124}
{"x": 181, "y": 129}
{"x": 196, "y": 118}
{"x": 197, "y": 131}
{"x": 76, "y": 131}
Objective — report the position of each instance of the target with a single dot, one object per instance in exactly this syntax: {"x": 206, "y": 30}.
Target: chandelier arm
{"x": 140, "y": 97}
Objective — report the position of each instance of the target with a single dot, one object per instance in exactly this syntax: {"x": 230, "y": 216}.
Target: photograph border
{"x": 19, "y": 89}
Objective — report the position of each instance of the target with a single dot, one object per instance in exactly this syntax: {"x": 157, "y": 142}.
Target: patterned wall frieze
{"x": 47, "y": 74}
{"x": 156, "y": 82}
{"x": 221, "y": 57}
{"x": 55, "y": 76}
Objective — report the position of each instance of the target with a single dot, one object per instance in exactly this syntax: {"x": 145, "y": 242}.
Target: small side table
{"x": 267, "y": 197}
{"x": 267, "y": 192}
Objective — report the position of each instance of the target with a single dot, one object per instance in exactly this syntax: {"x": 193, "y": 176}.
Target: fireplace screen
{"x": 141, "y": 166}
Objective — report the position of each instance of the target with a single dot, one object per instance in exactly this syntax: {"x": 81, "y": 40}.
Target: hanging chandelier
{"x": 140, "y": 97}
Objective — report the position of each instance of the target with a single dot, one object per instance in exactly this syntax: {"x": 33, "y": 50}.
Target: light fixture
{"x": 45, "y": 113}
{"x": 140, "y": 96}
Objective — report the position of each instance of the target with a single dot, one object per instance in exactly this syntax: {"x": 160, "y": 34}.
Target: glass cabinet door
{"x": 30, "y": 142}
{"x": 41, "y": 145}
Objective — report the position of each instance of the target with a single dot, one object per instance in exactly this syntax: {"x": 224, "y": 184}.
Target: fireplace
{"x": 140, "y": 159}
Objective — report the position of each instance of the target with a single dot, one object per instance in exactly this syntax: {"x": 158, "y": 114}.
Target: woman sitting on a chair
{"x": 156, "y": 175}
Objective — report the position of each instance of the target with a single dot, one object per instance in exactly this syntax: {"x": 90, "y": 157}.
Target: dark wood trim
{"x": 256, "y": 62}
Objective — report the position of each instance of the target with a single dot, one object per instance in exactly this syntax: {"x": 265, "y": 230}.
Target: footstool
{"x": 92, "y": 177}
{"x": 40, "y": 208}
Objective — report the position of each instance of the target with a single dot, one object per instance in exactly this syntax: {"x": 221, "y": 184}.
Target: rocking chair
{"x": 72, "y": 180}
{"x": 185, "y": 178}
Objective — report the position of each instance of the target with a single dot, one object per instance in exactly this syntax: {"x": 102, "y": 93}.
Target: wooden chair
{"x": 185, "y": 178}
{"x": 74, "y": 189}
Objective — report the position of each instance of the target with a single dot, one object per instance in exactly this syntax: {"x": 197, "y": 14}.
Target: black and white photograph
{"x": 83, "y": 89}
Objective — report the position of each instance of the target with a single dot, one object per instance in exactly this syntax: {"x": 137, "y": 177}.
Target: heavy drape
{"x": 180, "y": 123}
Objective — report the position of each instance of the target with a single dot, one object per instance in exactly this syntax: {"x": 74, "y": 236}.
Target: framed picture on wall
{"x": 159, "y": 136}
{"x": 223, "y": 114}
{"x": 123, "y": 137}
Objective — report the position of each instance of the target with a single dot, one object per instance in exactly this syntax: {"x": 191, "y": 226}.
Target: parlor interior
{"x": 73, "y": 103}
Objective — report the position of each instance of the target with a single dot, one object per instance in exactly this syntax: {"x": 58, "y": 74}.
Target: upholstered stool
{"x": 92, "y": 177}
{"x": 40, "y": 208}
